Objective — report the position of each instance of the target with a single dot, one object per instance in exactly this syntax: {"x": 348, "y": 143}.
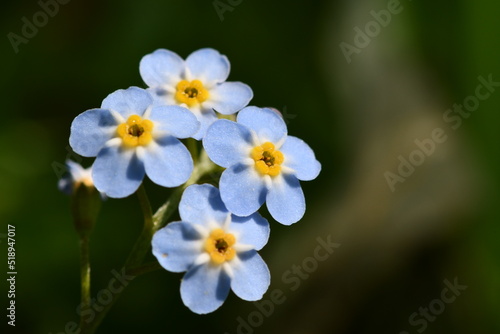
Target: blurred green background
{"x": 397, "y": 248}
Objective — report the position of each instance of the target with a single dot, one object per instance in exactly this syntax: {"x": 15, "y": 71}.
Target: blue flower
{"x": 263, "y": 164}
{"x": 130, "y": 137}
{"x": 76, "y": 175}
{"x": 217, "y": 249}
{"x": 198, "y": 83}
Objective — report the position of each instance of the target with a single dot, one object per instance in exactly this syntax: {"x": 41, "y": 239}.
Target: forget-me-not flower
{"x": 76, "y": 175}
{"x": 263, "y": 164}
{"x": 217, "y": 249}
{"x": 130, "y": 138}
{"x": 198, "y": 83}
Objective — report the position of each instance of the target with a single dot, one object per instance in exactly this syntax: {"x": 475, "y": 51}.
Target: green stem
{"x": 84, "y": 277}
{"x": 85, "y": 205}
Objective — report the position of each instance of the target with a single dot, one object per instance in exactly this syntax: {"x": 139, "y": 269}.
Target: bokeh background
{"x": 396, "y": 248}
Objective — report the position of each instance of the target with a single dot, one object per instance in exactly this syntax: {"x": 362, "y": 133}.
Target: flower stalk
{"x": 84, "y": 277}
{"x": 85, "y": 205}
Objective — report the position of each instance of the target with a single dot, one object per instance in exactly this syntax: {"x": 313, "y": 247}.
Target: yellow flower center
{"x": 191, "y": 93}
{"x": 218, "y": 246}
{"x": 267, "y": 159}
{"x": 136, "y": 131}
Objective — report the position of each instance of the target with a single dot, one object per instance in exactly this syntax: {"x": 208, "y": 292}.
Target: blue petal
{"x": 227, "y": 143}
{"x": 205, "y": 288}
{"x": 242, "y": 189}
{"x": 91, "y": 130}
{"x": 168, "y": 162}
{"x": 252, "y": 230}
{"x": 201, "y": 204}
{"x": 176, "y": 246}
{"x": 251, "y": 277}
{"x": 300, "y": 157}
{"x": 206, "y": 118}
{"x": 127, "y": 102}
{"x": 230, "y": 97}
{"x": 267, "y": 124}
{"x": 174, "y": 120}
{"x": 160, "y": 68}
{"x": 117, "y": 172}
{"x": 208, "y": 66}
{"x": 285, "y": 200}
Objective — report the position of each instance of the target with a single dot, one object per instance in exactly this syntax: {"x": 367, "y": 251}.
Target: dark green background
{"x": 397, "y": 248}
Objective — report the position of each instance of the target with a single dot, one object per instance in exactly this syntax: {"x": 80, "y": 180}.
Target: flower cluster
{"x": 137, "y": 132}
